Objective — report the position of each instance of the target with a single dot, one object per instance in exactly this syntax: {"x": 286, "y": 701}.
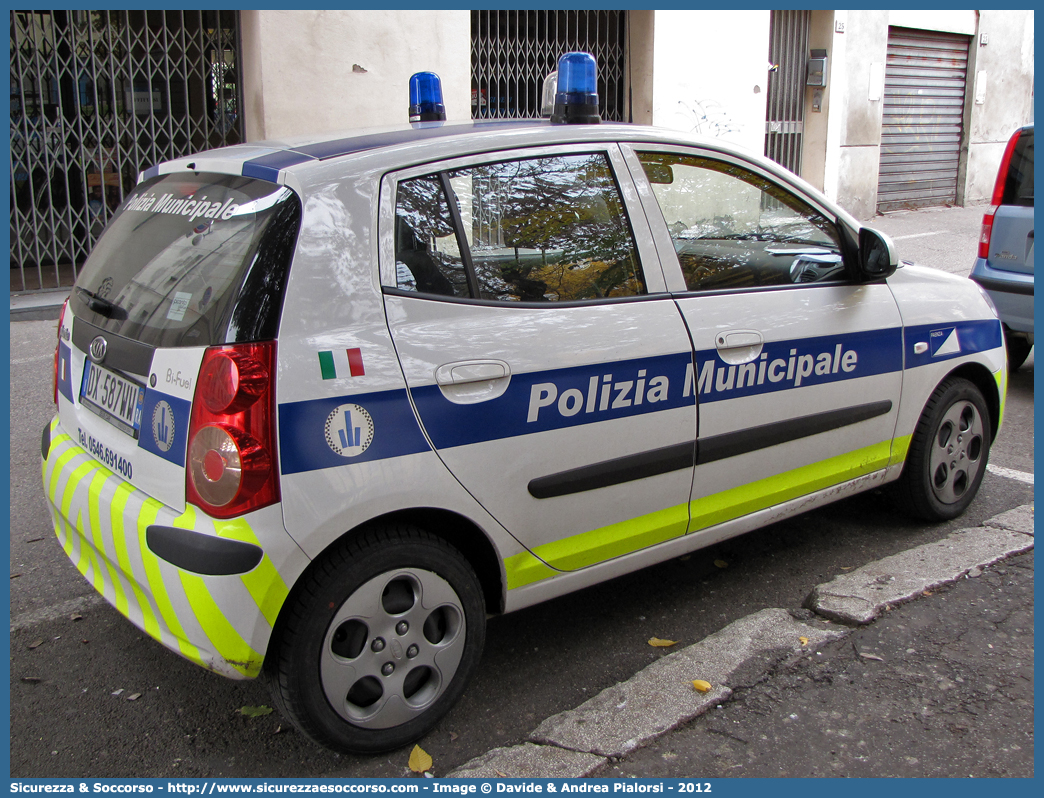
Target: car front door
{"x": 546, "y": 362}
{"x": 797, "y": 365}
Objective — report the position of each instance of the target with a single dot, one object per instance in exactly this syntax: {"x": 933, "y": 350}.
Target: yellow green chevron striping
{"x": 228, "y": 643}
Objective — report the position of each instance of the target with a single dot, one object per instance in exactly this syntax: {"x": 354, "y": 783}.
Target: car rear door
{"x": 1011, "y": 243}
{"x": 798, "y": 367}
{"x": 545, "y": 360}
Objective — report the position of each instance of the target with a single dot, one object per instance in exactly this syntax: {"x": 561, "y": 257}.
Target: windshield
{"x": 192, "y": 260}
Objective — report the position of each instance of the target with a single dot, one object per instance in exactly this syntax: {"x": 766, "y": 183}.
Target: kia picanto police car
{"x": 325, "y": 405}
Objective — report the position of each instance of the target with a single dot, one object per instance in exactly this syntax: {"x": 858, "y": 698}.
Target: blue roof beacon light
{"x": 426, "y": 98}
{"x": 576, "y": 98}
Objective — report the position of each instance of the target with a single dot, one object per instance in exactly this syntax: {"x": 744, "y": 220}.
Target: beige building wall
{"x": 323, "y": 71}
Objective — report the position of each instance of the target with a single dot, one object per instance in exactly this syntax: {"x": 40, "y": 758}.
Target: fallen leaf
{"x": 721, "y": 563}
{"x": 804, "y": 641}
{"x": 502, "y": 775}
{"x": 453, "y": 736}
{"x": 871, "y": 656}
{"x": 34, "y": 540}
{"x": 31, "y": 679}
{"x": 701, "y": 686}
{"x": 255, "y": 712}
{"x": 134, "y": 696}
{"x": 420, "y": 761}
{"x": 117, "y": 692}
{"x": 34, "y": 644}
{"x": 76, "y": 617}
{"x": 926, "y": 593}
{"x": 15, "y": 576}
{"x": 656, "y": 642}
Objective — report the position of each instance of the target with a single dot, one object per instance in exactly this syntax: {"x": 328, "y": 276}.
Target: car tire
{"x": 1018, "y": 347}
{"x": 948, "y": 453}
{"x": 378, "y": 641}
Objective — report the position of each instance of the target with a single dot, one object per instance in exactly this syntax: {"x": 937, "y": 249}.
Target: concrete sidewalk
{"x": 776, "y": 651}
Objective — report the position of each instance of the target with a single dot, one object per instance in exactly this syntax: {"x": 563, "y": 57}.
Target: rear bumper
{"x": 217, "y": 606}
{"x": 1011, "y": 292}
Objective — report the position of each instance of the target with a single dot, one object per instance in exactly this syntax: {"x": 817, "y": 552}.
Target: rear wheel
{"x": 948, "y": 453}
{"x": 379, "y": 642}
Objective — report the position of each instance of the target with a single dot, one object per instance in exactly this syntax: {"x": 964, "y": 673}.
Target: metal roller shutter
{"x": 925, "y": 77}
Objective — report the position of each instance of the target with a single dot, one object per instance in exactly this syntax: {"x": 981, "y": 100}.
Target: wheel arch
{"x": 459, "y": 531}
{"x": 983, "y": 379}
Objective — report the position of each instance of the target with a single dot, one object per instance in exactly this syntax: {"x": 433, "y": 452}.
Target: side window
{"x": 733, "y": 228}
{"x": 427, "y": 258}
{"x": 532, "y": 230}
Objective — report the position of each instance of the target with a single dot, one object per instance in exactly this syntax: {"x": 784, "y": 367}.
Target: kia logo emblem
{"x": 97, "y": 351}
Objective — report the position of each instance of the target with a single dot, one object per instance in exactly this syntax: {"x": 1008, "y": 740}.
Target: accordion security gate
{"x": 512, "y": 52}
{"x": 96, "y": 98}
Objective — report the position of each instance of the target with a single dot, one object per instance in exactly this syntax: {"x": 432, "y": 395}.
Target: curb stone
{"x": 1018, "y": 520}
{"x": 661, "y": 697}
{"x": 529, "y": 761}
{"x": 860, "y": 596}
{"x": 626, "y": 716}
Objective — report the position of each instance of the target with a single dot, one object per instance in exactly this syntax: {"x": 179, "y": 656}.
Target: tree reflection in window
{"x": 427, "y": 258}
{"x": 534, "y": 230}
{"x": 548, "y": 229}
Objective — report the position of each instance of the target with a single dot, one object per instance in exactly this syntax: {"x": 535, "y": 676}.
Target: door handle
{"x": 471, "y": 371}
{"x": 739, "y": 346}
{"x": 471, "y": 381}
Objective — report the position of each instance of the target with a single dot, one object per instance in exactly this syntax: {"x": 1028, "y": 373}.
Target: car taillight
{"x": 986, "y": 232}
{"x": 998, "y": 197}
{"x": 58, "y": 348}
{"x": 231, "y": 457}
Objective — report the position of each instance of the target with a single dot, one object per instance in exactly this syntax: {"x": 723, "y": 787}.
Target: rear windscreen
{"x": 192, "y": 260}
{"x": 1018, "y": 188}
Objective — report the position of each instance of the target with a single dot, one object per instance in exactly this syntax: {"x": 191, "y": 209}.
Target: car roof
{"x": 301, "y": 160}
{"x": 267, "y": 159}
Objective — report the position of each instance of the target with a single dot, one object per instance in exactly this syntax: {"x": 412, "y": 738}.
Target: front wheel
{"x": 379, "y": 641}
{"x": 948, "y": 453}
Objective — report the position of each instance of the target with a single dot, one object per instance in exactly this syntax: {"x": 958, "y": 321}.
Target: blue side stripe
{"x": 147, "y": 437}
{"x": 267, "y": 167}
{"x": 65, "y": 371}
{"x": 971, "y": 337}
{"x": 373, "y": 141}
{"x": 303, "y": 444}
{"x": 559, "y": 398}
{"x": 799, "y": 363}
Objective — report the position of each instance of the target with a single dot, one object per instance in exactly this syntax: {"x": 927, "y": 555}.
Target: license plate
{"x": 113, "y": 397}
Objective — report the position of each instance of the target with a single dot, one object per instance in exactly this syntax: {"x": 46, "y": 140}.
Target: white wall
{"x": 710, "y": 74}
{"x": 323, "y": 71}
{"x": 1003, "y": 70}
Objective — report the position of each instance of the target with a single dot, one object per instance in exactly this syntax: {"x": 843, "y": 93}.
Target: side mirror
{"x": 877, "y": 258}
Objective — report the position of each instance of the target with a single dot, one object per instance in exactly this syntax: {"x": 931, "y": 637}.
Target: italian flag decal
{"x": 341, "y": 363}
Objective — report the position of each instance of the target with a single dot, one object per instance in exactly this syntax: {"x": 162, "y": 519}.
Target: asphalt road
{"x": 92, "y": 696}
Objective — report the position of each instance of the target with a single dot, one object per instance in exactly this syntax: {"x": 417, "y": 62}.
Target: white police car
{"x": 324, "y": 405}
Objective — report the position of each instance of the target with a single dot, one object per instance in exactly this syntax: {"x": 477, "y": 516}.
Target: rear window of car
{"x": 1018, "y": 187}
{"x": 192, "y": 260}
